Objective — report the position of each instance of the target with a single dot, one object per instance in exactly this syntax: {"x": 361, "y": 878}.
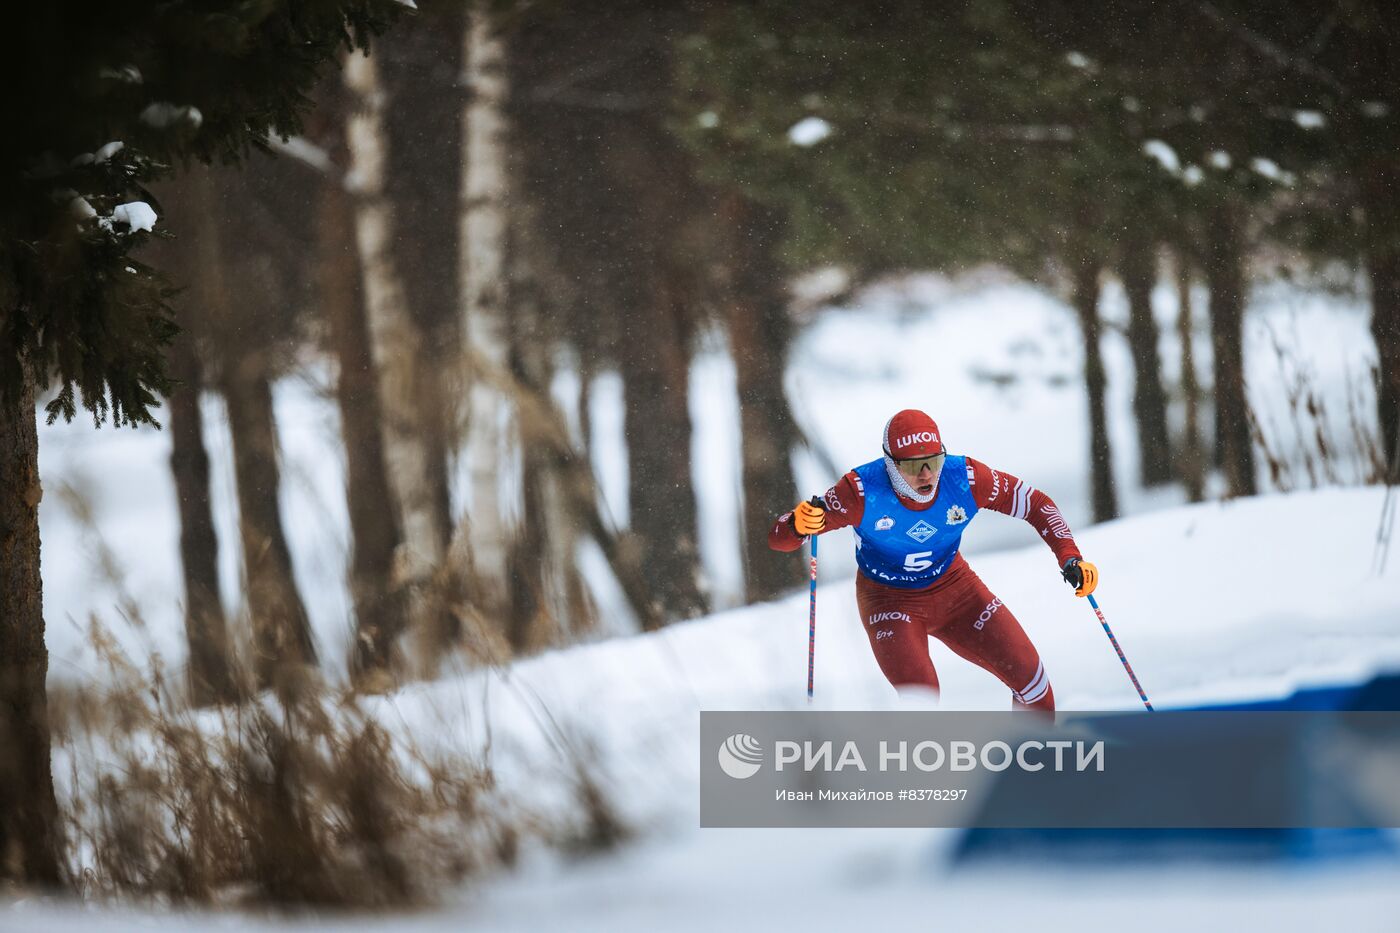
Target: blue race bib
{"x": 900, "y": 547}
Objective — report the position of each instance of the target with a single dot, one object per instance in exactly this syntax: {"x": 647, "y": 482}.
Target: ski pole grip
{"x": 818, "y": 503}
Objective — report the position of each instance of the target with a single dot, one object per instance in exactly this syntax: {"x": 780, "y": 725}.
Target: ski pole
{"x": 812, "y": 620}
{"x": 812, "y": 623}
{"x": 1109, "y": 632}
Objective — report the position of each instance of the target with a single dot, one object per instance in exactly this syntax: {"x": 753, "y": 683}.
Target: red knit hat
{"x": 912, "y": 434}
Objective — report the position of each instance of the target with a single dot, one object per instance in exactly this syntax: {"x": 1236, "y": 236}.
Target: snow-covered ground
{"x": 1211, "y": 602}
{"x": 1205, "y": 599}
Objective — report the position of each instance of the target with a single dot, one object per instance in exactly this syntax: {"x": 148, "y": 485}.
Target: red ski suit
{"x": 957, "y": 608}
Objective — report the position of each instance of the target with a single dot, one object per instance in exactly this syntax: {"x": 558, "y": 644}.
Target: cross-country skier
{"x": 909, "y": 510}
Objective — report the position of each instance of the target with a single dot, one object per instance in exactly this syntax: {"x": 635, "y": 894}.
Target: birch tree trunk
{"x": 397, "y": 348}
{"x": 485, "y": 301}
{"x": 420, "y": 72}
{"x": 380, "y": 611}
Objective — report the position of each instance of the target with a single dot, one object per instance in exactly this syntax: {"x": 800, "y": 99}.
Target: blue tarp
{"x": 1381, "y": 693}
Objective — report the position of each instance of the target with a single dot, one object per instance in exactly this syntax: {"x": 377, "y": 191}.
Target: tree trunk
{"x": 1224, "y": 268}
{"x": 29, "y": 837}
{"x": 575, "y": 492}
{"x": 656, "y": 362}
{"x": 621, "y": 218}
{"x": 420, "y": 72}
{"x": 213, "y": 673}
{"x": 760, "y": 335}
{"x": 210, "y": 671}
{"x": 1380, "y": 182}
{"x": 587, "y": 372}
{"x": 550, "y": 600}
{"x": 1139, "y": 271}
{"x": 1190, "y": 455}
{"x": 486, "y": 303}
{"x": 548, "y": 597}
{"x": 1085, "y": 300}
{"x": 529, "y": 559}
{"x": 282, "y": 640}
{"x": 397, "y": 348}
{"x": 655, "y": 356}
{"x": 380, "y": 612}
{"x": 526, "y": 560}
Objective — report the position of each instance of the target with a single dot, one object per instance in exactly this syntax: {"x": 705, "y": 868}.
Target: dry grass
{"x": 300, "y": 802}
{"x": 1325, "y": 450}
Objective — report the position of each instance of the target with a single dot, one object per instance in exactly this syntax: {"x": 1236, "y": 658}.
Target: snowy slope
{"x": 1202, "y": 602}
{"x": 1208, "y": 601}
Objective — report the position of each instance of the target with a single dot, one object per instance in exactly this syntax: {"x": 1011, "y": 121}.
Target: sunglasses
{"x": 915, "y": 467}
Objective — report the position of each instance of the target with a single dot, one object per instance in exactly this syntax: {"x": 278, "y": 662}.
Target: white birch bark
{"x": 396, "y": 346}
{"x": 491, "y": 435}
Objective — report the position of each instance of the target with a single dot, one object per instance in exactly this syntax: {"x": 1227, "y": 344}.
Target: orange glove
{"x": 1081, "y": 575}
{"x": 808, "y": 519}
